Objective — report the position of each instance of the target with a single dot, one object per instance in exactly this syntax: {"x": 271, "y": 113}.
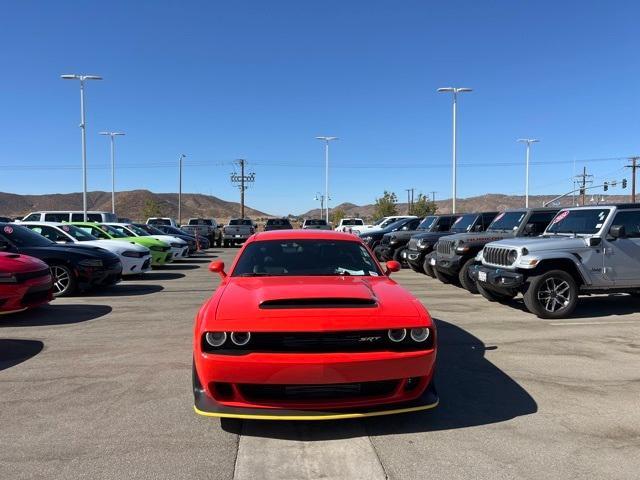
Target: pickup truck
{"x": 277, "y": 224}
{"x": 206, "y": 227}
{"x": 237, "y": 231}
{"x": 348, "y": 224}
{"x": 455, "y": 254}
{"x": 315, "y": 224}
{"x": 583, "y": 251}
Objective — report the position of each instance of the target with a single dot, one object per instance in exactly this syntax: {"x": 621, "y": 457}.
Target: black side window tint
{"x": 631, "y": 222}
{"x": 541, "y": 220}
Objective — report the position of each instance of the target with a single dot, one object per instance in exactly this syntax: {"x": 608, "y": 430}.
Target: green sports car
{"x": 160, "y": 251}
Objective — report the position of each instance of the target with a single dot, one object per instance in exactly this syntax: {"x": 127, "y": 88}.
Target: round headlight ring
{"x": 397, "y": 334}
{"x": 420, "y": 334}
{"x": 240, "y": 338}
{"x": 512, "y": 256}
{"x": 216, "y": 339}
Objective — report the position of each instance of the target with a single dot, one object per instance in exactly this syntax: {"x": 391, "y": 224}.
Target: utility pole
{"x": 412, "y": 190}
{"x": 242, "y": 181}
{"x": 433, "y": 196}
{"x": 408, "y": 190}
{"x": 582, "y": 180}
{"x": 180, "y": 188}
{"x": 634, "y": 166}
{"x": 242, "y": 188}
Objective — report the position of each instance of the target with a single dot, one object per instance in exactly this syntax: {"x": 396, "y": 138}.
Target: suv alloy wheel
{"x": 553, "y": 294}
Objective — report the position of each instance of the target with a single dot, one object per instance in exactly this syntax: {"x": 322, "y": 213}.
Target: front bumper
{"x": 28, "y": 294}
{"x": 407, "y": 379}
{"x": 135, "y": 266}
{"x": 179, "y": 252}
{"x": 94, "y": 276}
{"x": 415, "y": 257}
{"x": 448, "y": 265}
{"x": 160, "y": 258}
{"x": 496, "y": 278}
{"x": 236, "y": 237}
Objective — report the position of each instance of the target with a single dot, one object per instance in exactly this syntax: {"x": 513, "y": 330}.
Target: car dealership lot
{"x": 99, "y": 386}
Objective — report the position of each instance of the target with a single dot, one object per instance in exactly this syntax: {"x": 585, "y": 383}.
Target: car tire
{"x": 65, "y": 282}
{"x": 226, "y": 244}
{"x": 416, "y": 268}
{"x": 397, "y": 256}
{"x": 494, "y": 296}
{"x": 443, "y": 277}
{"x": 554, "y": 294}
{"x": 428, "y": 268}
{"x": 465, "y": 279}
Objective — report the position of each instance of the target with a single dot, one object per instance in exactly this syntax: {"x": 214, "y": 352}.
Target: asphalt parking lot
{"x": 99, "y": 386}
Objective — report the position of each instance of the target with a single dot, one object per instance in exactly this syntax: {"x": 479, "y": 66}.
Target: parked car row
{"x": 549, "y": 256}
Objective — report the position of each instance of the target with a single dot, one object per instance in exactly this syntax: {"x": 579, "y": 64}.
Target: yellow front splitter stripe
{"x": 328, "y": 416}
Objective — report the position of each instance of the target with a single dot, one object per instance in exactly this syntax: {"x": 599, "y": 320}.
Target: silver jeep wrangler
{"x": 584, "y": 250}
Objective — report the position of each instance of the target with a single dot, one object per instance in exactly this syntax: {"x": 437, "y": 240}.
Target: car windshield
{"x": 240, "y": 221}
{"x": 116, "y": 231}
{"x": 427, "y": 223}
{"x": 392, "y": 227}
{"x": 315, "y": 222}
{"x": 507, "y": 221}
{"x": 587, "y": 221}
{"x": 150, "y": 229}
{"x": 137, "y": 230}
{"x": 175, "y": 230}
{"x": 305, "y": 257}
{"x": 463, "y": 223}
{"x": 23, "y": 237}
{"x": 352, "y": 221}
{"x": 78, "y": 233}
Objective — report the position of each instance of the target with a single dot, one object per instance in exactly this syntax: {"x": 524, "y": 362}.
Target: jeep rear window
{"x": 507, "y": 222}
{"x": 463, "y": 223}
{"x": 585, "y": 221}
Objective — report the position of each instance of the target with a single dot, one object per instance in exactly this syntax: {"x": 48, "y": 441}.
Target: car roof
{"x": 299, "y": 234}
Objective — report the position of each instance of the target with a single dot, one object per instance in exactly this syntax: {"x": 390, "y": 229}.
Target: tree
{"x": 386, "y": 205}
{"x": 423, "y": 207}
{"x": 151, "y": 209}
{"x": 337, "y": 214}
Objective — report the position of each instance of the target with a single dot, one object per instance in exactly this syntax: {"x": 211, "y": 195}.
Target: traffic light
{"x": 624, "y": 183}
{"x": 606, "y": 186}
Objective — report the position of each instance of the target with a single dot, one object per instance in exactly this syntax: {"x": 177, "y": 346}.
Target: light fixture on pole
{"x": 528, "y": 141}
{"x": 319, "y": 197}
{"x": 112, "y": 135}
{"x": 82, "y": 79}
{"x": 182, "y": 157}
{"x": 326, "y": 141}
{"x": 455, "y": 91}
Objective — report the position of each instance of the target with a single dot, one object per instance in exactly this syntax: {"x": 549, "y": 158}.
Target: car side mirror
{"x": 392, "y": 266}
{"x": 530, "y": 229}
{"x": 218, "y": 267}
{"x": 618, "y": 231}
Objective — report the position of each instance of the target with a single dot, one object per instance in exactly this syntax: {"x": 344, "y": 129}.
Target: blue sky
{"x": 259, "y": 80}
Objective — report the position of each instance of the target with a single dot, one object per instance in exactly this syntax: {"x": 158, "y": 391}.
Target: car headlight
{"x": 461, "y": 247}
{"x": 393, "y": 240}
{"x": 91, "y": 262}
{"x": 156, "y": 248}
{"x": 423, "y": 244}
{"x": 512, "y": 256}
{"x": 133, "y": 254}
{"x": 8, "y": 278}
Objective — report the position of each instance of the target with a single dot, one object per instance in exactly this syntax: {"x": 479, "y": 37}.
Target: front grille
{"x": 23, "y": 277}
{"x": 413, "y": 244}
{"x": 445, "y": 247}
{"x": 319, "y": 342}
{"x": 36, "y": 295}
{"x": 497, "y": 256}
{"x": 332, "y": 391}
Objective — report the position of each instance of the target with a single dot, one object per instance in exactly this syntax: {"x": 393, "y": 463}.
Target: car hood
{"x": 480, "y": 238}
{"x": 431, "y": 236}
{"x": 537, "y": 244}
{"x": 116, "y": 246}
{"x": 169, "y": 239}
{"x": 16, "y": 263}
{"x": 404, "y": 234}
{"x": 80, "y": 251}
{"x": 342, "y": 303}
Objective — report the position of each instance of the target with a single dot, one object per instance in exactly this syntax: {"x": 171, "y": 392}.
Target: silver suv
{"x": 584, "y": 250}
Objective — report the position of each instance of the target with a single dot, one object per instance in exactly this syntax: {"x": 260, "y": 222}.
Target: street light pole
{"x": 455, "y": 91}
{"x": 326, "y": 173}
{"x": 528, "y": 141}
{"x": 112, "y": 136}
{"x": 82, "y": 79}
{"x": 182, "y": 156}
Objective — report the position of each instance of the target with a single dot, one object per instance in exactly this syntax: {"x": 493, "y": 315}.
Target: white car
{"x": 179, "y": 248}
{"x": 382, "y": 223}
{"x": 349, "y": 225}
{"x": 135, "y": 259}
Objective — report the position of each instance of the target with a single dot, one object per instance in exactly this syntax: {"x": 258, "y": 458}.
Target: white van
{"x": 70, "y": 216}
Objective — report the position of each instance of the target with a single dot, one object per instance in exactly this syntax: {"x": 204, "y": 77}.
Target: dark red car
{"x": 25, "y": 282}
{"x": 306, "y": 325}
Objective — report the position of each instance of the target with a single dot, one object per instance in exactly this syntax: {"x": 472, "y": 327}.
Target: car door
{"x": 623, "y": 254}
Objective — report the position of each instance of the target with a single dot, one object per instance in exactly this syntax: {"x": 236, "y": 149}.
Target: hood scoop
{"x": 326, "y": 302}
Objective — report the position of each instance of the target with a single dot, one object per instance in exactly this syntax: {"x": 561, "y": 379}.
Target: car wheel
{"x": 443, "y": 277}
{"x": 416, "y": 268}
{"x": 494, "y": 296}
{"x": 226, "y": 244}
{"x": 428, "y": 268}
{"x": 465, "y": 279}
{"x": 553, "y": 294}
{"x": 397, "y": 256}
{"x": 64, "y": 281}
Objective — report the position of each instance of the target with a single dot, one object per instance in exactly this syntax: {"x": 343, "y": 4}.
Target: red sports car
{"x": 25, "y": 282}
{"x": 308, "y": 326}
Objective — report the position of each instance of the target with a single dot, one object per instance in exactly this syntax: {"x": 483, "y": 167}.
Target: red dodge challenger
{"x": 25, "y": 282}
{"x": 306, "y": 325}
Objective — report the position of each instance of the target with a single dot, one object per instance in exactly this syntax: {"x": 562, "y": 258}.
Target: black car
{"x": 278, "y": 224}
{"x": 203, "y": 241}
{"x": 421, "y": 245}
{"x": 394, "y": 245}
{"x": 373, "y": 237}
{"x": 74, "y": 267}
{"x": 153, "y": 230}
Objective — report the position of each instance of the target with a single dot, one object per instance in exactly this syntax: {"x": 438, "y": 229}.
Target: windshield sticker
{"x": 561, "y": 216}
{"x": 373, "y": 274}
{"x": 8, "y": 230}
{"x": 601, "y": 216}
{"x": 499, "y": 217}
{"x": 599, "y": 225}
